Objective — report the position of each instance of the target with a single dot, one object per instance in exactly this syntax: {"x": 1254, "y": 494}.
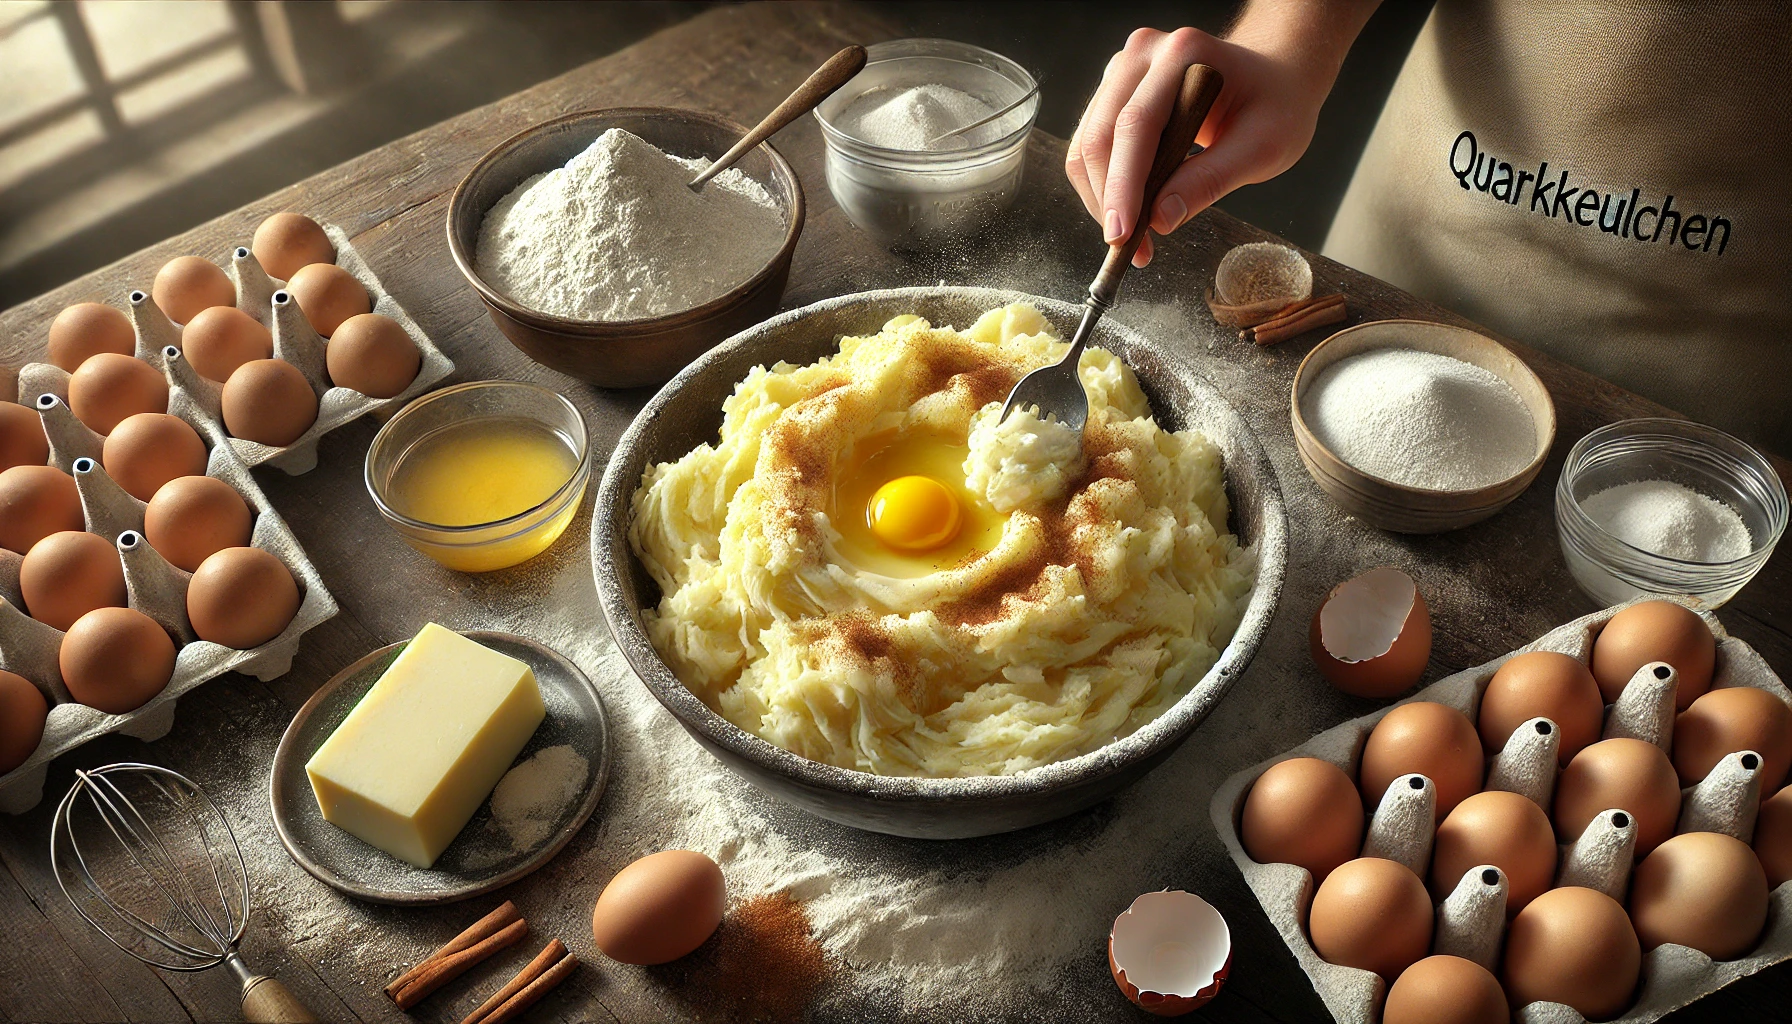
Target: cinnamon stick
{"x": 481, "y": 930}
{"x": 1329, "y": 310}
{"x": 548, "y": 957}
{"x": 440, "y": 971}
{"x": 531, "y": 993}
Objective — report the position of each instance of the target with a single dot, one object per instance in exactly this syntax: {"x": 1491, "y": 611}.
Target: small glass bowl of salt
{"x": 1663, "y": 506}
{"x": 888, "y": 165}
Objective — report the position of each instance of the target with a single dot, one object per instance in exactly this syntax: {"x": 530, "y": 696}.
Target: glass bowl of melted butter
{"x": 481, "y": 476}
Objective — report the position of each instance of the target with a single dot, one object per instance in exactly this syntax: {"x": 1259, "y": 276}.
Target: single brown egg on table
{"x": 1373, "y": 914}
{"x": 1726, "y": 720}
{"x": 22, "y": 438}
{"x": 372, "y": 354}
{"x": 241, "y": 598}
{"x": 1503, "y": 829}
{"x": 187, "y": 284}
{"x": 23, "y": 710}
{"x": 659, "y": 908}
{"x": 269, "y": 401}
{"x": 328, "y": 295}
{"x": 87, "y": 329}
{"x": 222, "y": 338}
{"x": 1434, "y": 740}
{"x": 1655, "y": 631}
{"x": 287, "y": 241}
{"x": 1446, "y": 990}
{"x": 109, "y": 387}
{"x": 1773, "y": 837}
{"x": 36, "y": 501}
{"x": 193, "y": 516}
{"x": 1700, "y": 889}
{"x": 1371, "y": 636}
{"x": 1303, "y": 811}
{"x": 116, "y": 659}
{"x": 1542, "y": 684}
{"x": 1573, "y": 946}
{"x": 69, "y": 574}
{"x": 149, "y": 449}
{"x": 1624, "y": 773}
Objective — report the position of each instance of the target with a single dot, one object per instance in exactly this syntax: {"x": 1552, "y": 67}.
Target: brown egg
{"x": 193, "y": 516}
{"x": 22, "y": 440}
{"x": 1655, "y": 631}
{"x": 1373, "y": 914}
{"x": 1542, "y": 684}
{"x": 1371, "y": 636}
{"x": 222, "y": 338}
{"x": 241, "y": 598}
{"x": 287, "y": 241}
{"x": 69, "y": 574}
{"x": 1703, "y": 890}
{"x": 1303, "y": 811}
{"x": 1503, "y": 829}
{"x": 187, "y": 284}
{"x": 149, "y": 449}
{"x": 269, "y": 400}
{"x": 371, "y": 354}
{"x": 328, "y": 295}
{"x": 1628, "y": 774}
{"x": 1446, "y": 990}
{"x": 1773, "y": 837}
{"x": 1730, "y": 719}
{"x": 86, "y": 329}
{"x": 22, "y": 713}
{"x": 109, "y": 387}
{"x": 1434, "y": 740}
{"x": 659, "y": 908}
{"x": 1573, "y": 946}
{"x": 36, "y": 501}
{"x": 116, "y": 659}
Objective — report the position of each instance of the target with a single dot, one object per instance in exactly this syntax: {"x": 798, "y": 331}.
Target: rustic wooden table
{"x": 1491, "y": 587}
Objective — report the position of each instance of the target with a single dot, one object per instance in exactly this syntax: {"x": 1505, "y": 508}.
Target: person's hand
{"x": 1279, "y": 63}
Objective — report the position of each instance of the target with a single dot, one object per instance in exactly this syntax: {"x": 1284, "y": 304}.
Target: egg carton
{"x": 265, "y": 299}
{"x": 1471, "y": 920}
{"x": 158, "y": 589}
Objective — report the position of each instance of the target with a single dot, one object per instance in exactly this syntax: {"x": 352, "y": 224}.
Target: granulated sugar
{"x": 911, "y": 118}
{"x": 1671, "y": 520}
{"x": 531, "y": 798}
{"x": 617, "y": 234}
{"x": 1420, "y": 419}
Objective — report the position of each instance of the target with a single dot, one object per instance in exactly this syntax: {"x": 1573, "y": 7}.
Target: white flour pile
{"x": 1420, "y": 419}
{"x": 616, "y": 234}
{"x": 911, "y": 118}
{"x": 532, "y": 797}
{"x": 1671, "y": 520}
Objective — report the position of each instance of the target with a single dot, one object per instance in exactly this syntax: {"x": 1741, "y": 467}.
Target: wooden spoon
{"x": 819, "y": 86}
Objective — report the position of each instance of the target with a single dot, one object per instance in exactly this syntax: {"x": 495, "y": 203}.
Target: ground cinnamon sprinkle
{"x": 762, "y": 964}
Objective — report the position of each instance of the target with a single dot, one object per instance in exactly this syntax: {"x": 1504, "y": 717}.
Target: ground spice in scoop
{"x": 762, "y": 964}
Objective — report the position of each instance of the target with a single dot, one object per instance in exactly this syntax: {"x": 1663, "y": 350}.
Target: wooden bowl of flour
{"x": 1399, "y": 507}
{"x": 635, "y": 352}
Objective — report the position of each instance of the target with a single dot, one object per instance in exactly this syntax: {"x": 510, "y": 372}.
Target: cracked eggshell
{"x": 1170, "y": 952}
{"x": 1371, "y": 637}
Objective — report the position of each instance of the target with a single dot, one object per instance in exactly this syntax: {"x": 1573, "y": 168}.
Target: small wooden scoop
{"x": 819, "y": 86}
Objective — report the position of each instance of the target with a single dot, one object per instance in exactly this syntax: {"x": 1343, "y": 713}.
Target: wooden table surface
{"x": 1491, "y": 587}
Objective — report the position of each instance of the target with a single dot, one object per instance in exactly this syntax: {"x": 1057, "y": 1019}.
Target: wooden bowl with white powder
{"x": 609, "y": 269}
{"x": 1419, "y": 427}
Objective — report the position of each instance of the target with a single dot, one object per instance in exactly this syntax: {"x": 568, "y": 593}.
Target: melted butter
{"x": 891, "y": 456}
{"x": 480, "y": 471}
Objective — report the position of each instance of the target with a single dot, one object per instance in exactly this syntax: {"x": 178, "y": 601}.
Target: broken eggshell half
{"x": 1371, "y": 637}
{"x": 1170, "y": 952}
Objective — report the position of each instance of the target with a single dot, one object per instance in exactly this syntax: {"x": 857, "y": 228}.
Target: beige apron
{"x": 1609, "y": 182}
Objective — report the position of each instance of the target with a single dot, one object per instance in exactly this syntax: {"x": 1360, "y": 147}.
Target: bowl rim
{"x": 997, "y": 147}
{"x": 463, "y": 257}
{"x": 1154, "y": 739}
{"x": 1475, "y": 497}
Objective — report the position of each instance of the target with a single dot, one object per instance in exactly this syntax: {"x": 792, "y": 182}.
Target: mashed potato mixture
{"x": 872, "y": 570}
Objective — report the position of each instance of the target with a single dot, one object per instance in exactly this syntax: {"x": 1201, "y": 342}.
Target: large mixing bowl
{"x": 688, "y": 412}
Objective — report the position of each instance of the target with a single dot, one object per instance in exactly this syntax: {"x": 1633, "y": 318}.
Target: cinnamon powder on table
{"x": 762, "y": 964}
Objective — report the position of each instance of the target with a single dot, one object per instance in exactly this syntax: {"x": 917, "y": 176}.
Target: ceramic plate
{"x": 485, "y": 856}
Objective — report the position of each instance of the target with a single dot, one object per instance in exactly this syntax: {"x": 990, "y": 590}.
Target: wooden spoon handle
{"x": 1200, "y": 87}
{"x": 819, "y": 86}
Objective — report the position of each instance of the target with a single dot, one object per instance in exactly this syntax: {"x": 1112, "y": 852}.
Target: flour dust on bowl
{"x": 689, "y": 413}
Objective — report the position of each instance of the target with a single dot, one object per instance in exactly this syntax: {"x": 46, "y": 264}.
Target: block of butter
{"x": 422, "y": 751}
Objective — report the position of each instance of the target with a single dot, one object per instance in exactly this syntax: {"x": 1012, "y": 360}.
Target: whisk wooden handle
{"x": 266, "y": 1001}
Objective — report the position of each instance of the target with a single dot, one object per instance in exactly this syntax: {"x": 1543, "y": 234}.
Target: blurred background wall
{"x": 125, "y": 121}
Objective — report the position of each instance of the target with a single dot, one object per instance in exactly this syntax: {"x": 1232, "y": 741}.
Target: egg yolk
{"x": 913, "y": 513}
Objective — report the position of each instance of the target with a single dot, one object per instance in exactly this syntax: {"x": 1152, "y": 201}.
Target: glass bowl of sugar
{"x": 890, "y": 163}
{"x": 1663, "y": 506}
